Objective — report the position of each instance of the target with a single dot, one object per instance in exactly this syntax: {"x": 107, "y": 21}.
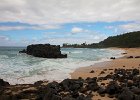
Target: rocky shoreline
{"x": 124, "y": 84}
{"x": 119, "y": 81}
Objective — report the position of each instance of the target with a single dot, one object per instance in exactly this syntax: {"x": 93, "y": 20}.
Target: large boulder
{"x": 44, "y": 51}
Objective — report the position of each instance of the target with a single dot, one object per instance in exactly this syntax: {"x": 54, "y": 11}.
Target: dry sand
{"x": 108, "y": 67}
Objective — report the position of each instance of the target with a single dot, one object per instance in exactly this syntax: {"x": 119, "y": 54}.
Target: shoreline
{"x": 99, "y": 64}
{"x": 102, "y": 69}
{"x": 107, "y": 64}
{"x": 109, "y": 80}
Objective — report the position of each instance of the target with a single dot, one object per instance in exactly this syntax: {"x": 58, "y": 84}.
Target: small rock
{"x": 92, "y": 71}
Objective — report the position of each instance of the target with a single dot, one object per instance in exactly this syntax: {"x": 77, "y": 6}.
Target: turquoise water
{"x": 21, "y": 68}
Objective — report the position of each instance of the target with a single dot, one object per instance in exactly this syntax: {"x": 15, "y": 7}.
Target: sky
{"x": 24, "y": 22}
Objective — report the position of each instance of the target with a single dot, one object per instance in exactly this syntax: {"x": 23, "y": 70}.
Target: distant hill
{"x": 127, "y": 40}
{"x": 131, "y": 39}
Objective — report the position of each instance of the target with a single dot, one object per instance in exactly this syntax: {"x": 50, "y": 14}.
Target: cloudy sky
{"x": 24, "y": 22}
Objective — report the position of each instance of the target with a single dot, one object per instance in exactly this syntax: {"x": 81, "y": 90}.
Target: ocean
{"x": 19, "y": 68}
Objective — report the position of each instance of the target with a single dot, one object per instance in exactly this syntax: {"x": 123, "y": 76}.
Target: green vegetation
{"x": 127, "y": 40}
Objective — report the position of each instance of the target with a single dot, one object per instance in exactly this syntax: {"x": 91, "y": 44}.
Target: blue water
{"x": 21, "y": 68}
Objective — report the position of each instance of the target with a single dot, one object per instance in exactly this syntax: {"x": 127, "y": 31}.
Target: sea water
{"x": 19, "y": 68}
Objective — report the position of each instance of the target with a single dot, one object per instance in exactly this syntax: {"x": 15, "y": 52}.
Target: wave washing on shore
{"x": 21, "y": 68}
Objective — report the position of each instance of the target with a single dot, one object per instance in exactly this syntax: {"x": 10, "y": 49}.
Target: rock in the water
{"x": 44, "y": 51}
{"x": 3, "y": 83}
{"x": 113, "y": 58}
{"x": 23, "y": 51}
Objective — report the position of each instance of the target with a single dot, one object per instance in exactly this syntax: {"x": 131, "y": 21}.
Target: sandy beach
{"x": 130, "y": 60}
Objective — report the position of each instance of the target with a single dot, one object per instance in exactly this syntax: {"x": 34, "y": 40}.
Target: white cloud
{"x": 88, "y": 37}
{"x": 5, "y": 28}
{"x": 67, "y": 11}
{"x": 76, "y": 30}
{"x": 35, "y": 27}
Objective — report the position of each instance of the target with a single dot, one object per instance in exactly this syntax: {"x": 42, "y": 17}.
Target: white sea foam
{"x": 20, "y": 68}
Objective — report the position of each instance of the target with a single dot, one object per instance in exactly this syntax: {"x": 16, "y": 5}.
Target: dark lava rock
{"x": 3, "y": 83}
{"x": 102, "y": 72}
{"x": 111, "y": 96}
{"x": 130, "y": 57}
{"x": 124, "y": 53}
{"x": 101, "y": 90}
{"x": 75, "y": 94}
{"x": 44, "y": 51}
{"x": 102, "y": 83}
{"x": 102, "y": 95}
{"x": 23, "y": 51}
{"x": 137, "y": 57}
{"x": 83, "y": 90}
{"x": 92, "y": 84}
{"x": 82, "y": 97}
{"x": 68, "y": 98}
{"x": 51, "y": 95}
{"x": 135, "y": 90}
{"x": 137, "y": 97}
{"x": 92, "y": 71}
{"x": 51, "y": 92}
{"x": 38, "y": 83}
{"x": 72, "y": 84}
{"x": 126, "y": 95}
{"x": 135, "y": 72}
{"x": 113, "y": 58}
{"x": 112, "y": 88}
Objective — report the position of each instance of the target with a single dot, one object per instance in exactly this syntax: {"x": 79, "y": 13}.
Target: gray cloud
{"x": 65, "y": 11}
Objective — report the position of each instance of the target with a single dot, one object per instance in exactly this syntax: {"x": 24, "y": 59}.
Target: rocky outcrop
{"x": 44, "y": 51}
{"x": 3, "y": 83}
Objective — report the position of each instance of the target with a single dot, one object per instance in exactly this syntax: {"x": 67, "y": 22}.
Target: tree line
{"x": 126, "y": 40}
